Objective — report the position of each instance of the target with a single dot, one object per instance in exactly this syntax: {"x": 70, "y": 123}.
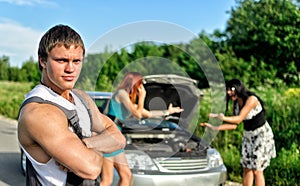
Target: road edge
{"x": 9, "y": 120}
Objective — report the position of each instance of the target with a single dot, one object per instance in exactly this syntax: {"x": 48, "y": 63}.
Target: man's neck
{"x": 65, "y": 94}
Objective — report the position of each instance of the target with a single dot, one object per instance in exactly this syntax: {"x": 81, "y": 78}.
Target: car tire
{"x": 23, "y": 162}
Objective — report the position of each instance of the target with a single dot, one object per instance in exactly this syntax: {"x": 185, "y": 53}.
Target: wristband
{"x": 107, "y": 155}
{"x": 166, "y": 113}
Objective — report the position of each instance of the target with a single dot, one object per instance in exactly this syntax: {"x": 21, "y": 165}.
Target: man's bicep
{"x": 49, "y": 129}
{"x": 47, "y": 125}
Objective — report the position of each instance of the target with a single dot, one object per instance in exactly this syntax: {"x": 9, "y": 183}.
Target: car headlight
{"x": 139, "y": 160}
{"x": 214, "y": 158}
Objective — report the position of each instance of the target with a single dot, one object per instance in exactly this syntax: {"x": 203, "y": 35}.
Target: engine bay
{"x": 170, "y": 143}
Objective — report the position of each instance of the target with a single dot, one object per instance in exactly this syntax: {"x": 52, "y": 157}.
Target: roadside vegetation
{"x": 11, "y": 96}
{"x": 283, "y": 112}
{"x": 260, "y": 46}
{"x": 283, "y": 115}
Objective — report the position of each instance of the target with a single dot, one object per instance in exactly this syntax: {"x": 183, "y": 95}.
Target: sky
{"x": 23, "y": 22}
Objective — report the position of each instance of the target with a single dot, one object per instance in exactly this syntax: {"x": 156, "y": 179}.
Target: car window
{"x": 101, "y": 103}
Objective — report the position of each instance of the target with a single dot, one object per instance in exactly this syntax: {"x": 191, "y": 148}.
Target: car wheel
{"x": 23, "y": 162}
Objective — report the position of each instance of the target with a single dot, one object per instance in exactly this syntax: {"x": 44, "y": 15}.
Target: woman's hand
{"x": 220, "y": 116}
{"x": 208, "y": 125}
{"x": 172, "y": 110}
{"x": 141, "y": 91}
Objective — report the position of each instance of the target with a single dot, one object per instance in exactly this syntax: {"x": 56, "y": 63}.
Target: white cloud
{"x": 29, "y": 2}
{"x": 18, "y": 42}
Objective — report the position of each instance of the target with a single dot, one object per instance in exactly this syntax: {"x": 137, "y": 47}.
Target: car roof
{"x": 99, "y": 95}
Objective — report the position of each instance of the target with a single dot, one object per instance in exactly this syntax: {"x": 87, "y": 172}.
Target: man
{"x": 44, "y": 133}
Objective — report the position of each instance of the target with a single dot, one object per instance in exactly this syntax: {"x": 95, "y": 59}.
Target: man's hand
{"x": 61, "y": 167}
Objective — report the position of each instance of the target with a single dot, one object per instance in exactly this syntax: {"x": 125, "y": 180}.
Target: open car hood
{"x": 181, "y": 91}
{"x": 172, "y": 135}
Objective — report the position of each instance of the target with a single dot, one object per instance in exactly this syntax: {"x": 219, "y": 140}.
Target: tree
{"x": 31, "y": 70}
{"x": 267, "y": 30}
{"x": 4, "y": 68}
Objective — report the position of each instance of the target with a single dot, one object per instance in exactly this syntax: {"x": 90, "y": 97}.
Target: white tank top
{"x": 49, "y": 173}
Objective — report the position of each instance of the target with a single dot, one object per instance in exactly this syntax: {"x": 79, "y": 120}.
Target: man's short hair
{"x": 58, "y": 35}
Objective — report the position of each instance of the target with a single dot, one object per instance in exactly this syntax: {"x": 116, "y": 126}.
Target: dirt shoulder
{"x": 8, "y": 120}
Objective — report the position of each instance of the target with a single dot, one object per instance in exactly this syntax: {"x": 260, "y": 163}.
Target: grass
{"x": 13, "y": 90}
{"x": 11, "y": 97}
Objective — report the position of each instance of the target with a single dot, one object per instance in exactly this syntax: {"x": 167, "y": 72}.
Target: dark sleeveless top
{"x": 256, "y": 122}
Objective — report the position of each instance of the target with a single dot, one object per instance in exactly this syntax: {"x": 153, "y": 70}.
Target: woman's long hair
{"x": 130, "y": 83}
{"x": 241, "y": 91}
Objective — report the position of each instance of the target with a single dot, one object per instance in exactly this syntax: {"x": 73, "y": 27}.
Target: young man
{"x": 44, "y": 132}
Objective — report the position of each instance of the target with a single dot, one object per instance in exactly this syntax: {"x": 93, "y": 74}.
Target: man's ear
{"x": 42, "y": 62}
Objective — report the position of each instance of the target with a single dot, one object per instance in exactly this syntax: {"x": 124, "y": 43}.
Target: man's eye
{"x": 77, "y": 61}
{"x": 61, "y": 60}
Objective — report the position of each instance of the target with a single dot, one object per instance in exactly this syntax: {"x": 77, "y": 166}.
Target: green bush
{"x": 283, "y": 111}
{"x": 231, "y": 156}
{"x": 285, "y": 169}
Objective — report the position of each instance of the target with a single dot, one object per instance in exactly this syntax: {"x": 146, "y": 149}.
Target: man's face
{"x": 63, "y": 67}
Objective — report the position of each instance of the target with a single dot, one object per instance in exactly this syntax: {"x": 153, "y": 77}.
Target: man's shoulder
{"x": 81, "y": 94}
{"x": 40, "y": 111}
{"x": 84, "y": 97}
{"x": 36, "y": 118}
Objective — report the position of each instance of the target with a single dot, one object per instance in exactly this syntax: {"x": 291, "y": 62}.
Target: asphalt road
{"x": 10, "y": 171}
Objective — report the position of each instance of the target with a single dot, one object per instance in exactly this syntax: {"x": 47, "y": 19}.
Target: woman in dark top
{"x": 258, "y": 146}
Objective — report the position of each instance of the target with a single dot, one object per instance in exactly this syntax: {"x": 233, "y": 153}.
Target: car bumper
{"x": 216, "y": 177}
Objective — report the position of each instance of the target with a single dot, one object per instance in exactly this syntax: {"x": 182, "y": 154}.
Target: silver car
{"x": 164, "y": 151}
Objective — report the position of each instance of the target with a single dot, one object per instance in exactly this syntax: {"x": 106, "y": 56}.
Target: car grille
{"x": 181, "y": 165}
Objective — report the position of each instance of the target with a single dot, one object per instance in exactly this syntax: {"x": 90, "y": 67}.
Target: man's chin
{"x": 66, "y": 86}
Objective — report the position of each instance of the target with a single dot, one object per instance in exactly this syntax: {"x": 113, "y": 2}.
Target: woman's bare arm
{"x": 136, "y": 110}
{"x": 220, "y": 127}
{"x": 250, "y": 104}
{"x": 233, "y": 121}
